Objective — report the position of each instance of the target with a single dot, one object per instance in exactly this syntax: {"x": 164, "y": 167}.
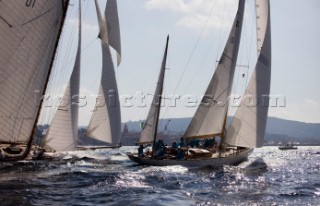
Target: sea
{"x": 108, "y": 177}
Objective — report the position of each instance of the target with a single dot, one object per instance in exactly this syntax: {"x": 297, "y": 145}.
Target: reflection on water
{"x": 107, "y": 177}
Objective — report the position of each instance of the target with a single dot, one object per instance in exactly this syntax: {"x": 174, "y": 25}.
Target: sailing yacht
{"x": 62, "y": 134}
{"x": 30, "y": 32}
{"x": 29, "y": 42}
{"x": 105, "y": 124}
{"x": 247, "y": 128}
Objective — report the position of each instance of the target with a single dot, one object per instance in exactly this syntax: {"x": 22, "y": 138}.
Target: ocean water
{"x": 108, "y": 177}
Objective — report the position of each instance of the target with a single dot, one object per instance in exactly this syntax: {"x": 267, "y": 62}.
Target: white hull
{"x": 212, "y": 162}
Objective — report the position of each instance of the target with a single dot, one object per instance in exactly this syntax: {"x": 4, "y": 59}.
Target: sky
{"x": 198, "y": 31}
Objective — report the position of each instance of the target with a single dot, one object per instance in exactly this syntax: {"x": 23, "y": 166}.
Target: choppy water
{"x": 269, "y": 177}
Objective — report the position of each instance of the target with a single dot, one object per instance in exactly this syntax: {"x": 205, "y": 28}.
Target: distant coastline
{"x": 279, "y": 131}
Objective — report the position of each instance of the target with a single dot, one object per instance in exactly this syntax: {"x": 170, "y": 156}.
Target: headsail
{"x": 30, "y": 32}
{"x": 109, "y": 27}
{"x": 105, "y": 123}
{"x": 63, "y": 131}
{"x": 209, "y": 117}
{"x": 149, "y": 130}
{"x": 248, "y": 126}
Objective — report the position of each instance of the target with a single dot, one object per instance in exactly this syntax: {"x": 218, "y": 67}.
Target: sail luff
{"x": 105, "y": 123}
{"x": 247, "y": 128}
{"x": 63, "y": 132}
{"x": 149, "y": 131}
{"x": 212, "y": 110}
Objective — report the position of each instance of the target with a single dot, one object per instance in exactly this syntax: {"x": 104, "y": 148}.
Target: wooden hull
{"x": 212, "y": 162}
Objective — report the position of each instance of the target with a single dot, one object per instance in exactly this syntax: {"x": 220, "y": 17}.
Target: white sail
{"x": 29, "y": 34}
{"x": 149, "y": 130}
{"x": 109, "y": 26}
{"x": 209, "y": 117}
{"x": 105, "y": 123}
{"x": 112, "y": 17}
{"x": 63, "y": 131}
{"x": 248, "y": 126}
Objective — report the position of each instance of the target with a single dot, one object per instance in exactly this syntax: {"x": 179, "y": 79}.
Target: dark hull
{"x": 233, "y": 159}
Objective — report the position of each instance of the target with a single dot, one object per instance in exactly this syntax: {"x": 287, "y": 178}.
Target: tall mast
{"x": 63, "y": 131}
{"x": 209, "y": 117}
{"x": 163, "y": 68}
{"x": 29, "y": 144}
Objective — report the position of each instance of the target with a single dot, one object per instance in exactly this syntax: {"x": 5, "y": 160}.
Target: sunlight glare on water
{"x": 108, "y": 177}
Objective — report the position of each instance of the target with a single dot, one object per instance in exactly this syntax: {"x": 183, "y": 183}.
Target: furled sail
{"x": 149, "y": 130}
{"x": 248, "y": 126}
{"x": 63, "y": 131}
{"x": 209, "y": 117}
{"x": 30, "y": 32}
{"x": 105, "y": 123}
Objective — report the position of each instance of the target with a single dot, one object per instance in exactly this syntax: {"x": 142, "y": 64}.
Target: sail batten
{"x": 27, "y": 52}
{"x": 63, "y": 132}
{"x": 105, "y": 123}
{"x": 149, "y": 131}
{"x": 247, "y": 128}
{"x": 210, "y": 114}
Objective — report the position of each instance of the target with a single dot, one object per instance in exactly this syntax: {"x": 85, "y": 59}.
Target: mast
{"x": 29, "y": 144}
{"x": 63, "y": 131}
{"x": 247, "y": 128}
{"x": 47, "y": 28}
{"x": 163, "y": 68}
{"x": 150, "y": 127}
{"x": 209, "y": 118}
{"x": 105, "y": 122}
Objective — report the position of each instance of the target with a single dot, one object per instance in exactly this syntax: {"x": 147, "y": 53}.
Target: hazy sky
{"x": 198, "y": 30}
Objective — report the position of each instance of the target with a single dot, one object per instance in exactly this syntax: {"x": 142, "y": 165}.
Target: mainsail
{"x": 248, "y": 126}
{"x": 63, "y": 131}
{"x": 30, "y": 31}
{"x": 209, "y": 117}
{"x": 150, "y": 126}
{"x": 105, "y": 123}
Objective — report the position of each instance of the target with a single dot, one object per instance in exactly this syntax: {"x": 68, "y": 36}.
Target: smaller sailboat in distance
{"x": 288, "y": 146}
{"x": 150, "y": 126}
{"x": 247, "y": 128}
{"x": 105, "y": 123}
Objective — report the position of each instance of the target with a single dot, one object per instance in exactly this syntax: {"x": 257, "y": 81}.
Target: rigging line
{"x": 193, "y": 51}
{"x": 58, "y": 59}
{"x": 220, "y": 44}
{"x": 57, "y": 82}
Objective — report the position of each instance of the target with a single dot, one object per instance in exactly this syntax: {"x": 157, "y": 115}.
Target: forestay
{"x": 29, "y": 35}
{"x": 209, "y": 117}
{"x": 63, "y": 131}
{"x": 105, "y": 123}
{"x": 248, "y": 126}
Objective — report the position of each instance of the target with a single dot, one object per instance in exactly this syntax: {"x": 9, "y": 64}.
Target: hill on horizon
{"x": 277, "y": 129}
